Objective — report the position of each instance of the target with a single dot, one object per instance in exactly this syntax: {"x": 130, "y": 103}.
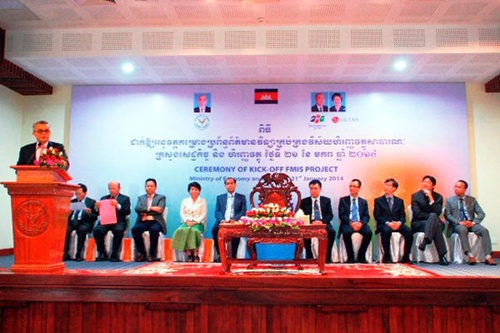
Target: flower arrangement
{"x": 269, "y": 216}
{"x": 52, "y": 157}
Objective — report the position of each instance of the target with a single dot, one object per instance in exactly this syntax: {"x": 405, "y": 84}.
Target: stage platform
{"x": 195, "y": 297}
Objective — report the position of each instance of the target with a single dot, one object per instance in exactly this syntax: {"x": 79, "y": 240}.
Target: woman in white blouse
{"x": 193, "y": 217}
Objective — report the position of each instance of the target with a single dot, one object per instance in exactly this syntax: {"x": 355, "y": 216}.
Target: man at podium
{"x": 31, "y": 152}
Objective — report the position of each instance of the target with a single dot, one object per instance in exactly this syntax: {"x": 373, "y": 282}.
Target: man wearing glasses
{"x": 30, "y": 153}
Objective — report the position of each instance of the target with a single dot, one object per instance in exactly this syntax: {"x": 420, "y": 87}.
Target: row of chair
{"x": 339, "y": 254}
{"x": 128, "y": 251}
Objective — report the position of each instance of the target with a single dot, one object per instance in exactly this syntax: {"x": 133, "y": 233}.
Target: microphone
{"x": 32, "y": 158}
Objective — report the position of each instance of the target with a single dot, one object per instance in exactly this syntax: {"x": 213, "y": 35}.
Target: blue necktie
{"x": 354, "y": 211}
{"x": 463, "y": 213}
{"x": 317, "y": 214}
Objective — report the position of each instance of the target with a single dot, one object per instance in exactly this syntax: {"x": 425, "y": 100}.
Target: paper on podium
{"x": 107, "y": 213}
{"x": 79, "y": 205}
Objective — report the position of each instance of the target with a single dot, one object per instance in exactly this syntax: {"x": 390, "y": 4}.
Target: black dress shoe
{"x": 153, "y": 259}
{"x": 443, "y": 261}
{"x": 102, "y": 257}
{"x": 140, "y": 257}
{"x": 78, "y": 257}
{"x": 349, "y": 261}
{"x": 424, "y": 244}
{"x": 386, "y": 260}
{"x": 66, "y": 257}
{"x": 362, "y": 261}
{"x": 406, "y": 260}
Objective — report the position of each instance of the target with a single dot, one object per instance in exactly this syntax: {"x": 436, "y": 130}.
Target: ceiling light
{"x": 128, "y": 68}
{"x": 400, "y": 65}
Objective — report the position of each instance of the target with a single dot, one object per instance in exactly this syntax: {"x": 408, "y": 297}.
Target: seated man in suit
{"x": 354, "y": 217}
{"x": 389, "y": 213}
{"x": 30, "y": 153}
{"x": 122, "y": 204}
{"x": 80, "y": 220}
{"x": 149, "y": 209}
{"x": 319, "y": 105}
{"x": 464, "y": 215}
{"x": 427, "y": 206}
{"x": 230, "y": 207}
{"x": 319, "y": 209}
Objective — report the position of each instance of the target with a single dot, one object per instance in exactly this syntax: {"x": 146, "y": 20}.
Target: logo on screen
{"x": 335, "y": 120}
{"x": 201, "y": 122}
{"x": 317, "y": 119}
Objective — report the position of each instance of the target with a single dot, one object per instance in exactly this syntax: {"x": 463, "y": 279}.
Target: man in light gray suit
{"x": 149, "y": 208}
{"x": 464, "y": 215}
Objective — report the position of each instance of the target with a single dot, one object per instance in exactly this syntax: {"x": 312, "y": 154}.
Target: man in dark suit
{"x": 464, "y": 215}
{"x": 389, "y": 213}
{"x": 202, "y": 105}
{"x": 30, "y": 153}
{"x": 319, "y": 106}
{"x": 80, "y": 220}
{"x": 149, "y": 209}
{"x": 230, "y": 207}
{"x": 122, "y": 204}
{"x": 319, "y": 209}
{"x": 354, "y": 217}
{"x": 427, "y": 206}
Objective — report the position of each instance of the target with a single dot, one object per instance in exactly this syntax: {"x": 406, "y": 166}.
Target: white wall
{"x": 10, "y": 138}
{"x": 484, "y": 127}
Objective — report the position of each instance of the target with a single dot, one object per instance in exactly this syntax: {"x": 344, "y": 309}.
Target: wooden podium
{"x": 40, "y": 207}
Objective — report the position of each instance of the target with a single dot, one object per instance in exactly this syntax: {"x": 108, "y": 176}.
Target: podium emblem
{"x": 31, "y": 218}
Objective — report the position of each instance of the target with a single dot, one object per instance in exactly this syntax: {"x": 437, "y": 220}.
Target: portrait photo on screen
{"x": 202, "y": 103}
{"x": 319, "y": 102}
{"x": 337, "y": 101}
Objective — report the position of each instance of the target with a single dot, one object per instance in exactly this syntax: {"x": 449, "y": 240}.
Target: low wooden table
{"x": 282, "y": 235}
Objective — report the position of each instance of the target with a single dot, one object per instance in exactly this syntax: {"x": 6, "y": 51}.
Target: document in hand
{"x": 77, "y": 205}
{"x": 107, "y": 213}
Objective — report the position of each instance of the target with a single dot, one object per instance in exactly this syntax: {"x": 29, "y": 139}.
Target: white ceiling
{"x": 262, "y": 41}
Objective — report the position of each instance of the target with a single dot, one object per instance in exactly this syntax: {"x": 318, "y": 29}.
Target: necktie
{"x": 39, "y": 150}
{"x": 320, "y": 109}
{"x": 389, "y": 201}
{"x": 463, "y": 213}
{"x": 229, "y": 214}
{"x": 317, "y": 214}
{"x": 355, "y": 214}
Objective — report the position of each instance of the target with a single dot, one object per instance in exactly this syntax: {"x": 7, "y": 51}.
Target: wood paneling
{"x": 86, "y": 304}
{"x": 135, "y": 317}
